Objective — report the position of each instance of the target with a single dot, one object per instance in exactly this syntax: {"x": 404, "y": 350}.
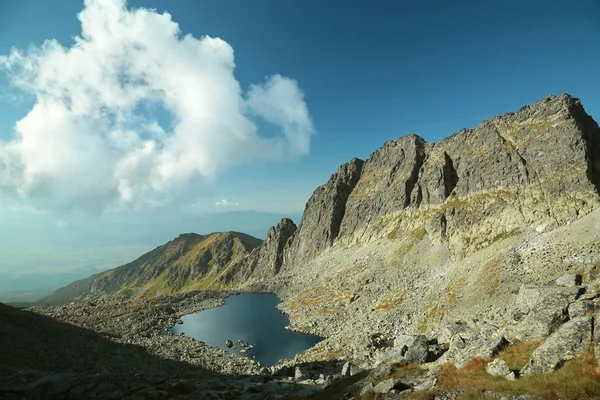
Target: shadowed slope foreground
{"x": 86, "y": 363}
{"x": 112, "y": 349}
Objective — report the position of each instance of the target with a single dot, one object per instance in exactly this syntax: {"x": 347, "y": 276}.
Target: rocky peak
{"x": 323, "y": 214}
{"x": 271, "y": 252}
{"x": 535, "y": 168}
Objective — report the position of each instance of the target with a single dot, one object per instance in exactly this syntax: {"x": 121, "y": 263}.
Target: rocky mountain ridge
{"x": 533, "y": 170}
{"x": 187, "y": 263}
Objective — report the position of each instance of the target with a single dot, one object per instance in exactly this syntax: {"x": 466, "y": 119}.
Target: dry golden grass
{"x": 578, "y": 379}
{"x": 403, "y": 371}
{"x": 320, "y": 296}
{"x": 421, "y": 396}
{"x": 516, "y": 355}
{"x": 390, "y": 301}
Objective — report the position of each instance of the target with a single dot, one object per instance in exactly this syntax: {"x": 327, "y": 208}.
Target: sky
{"x": 162, "y": 109}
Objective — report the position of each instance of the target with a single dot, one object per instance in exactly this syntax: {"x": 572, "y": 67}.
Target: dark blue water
{"x": 253, "y": 318}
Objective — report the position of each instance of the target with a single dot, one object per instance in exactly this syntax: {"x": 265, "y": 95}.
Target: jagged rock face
{"x": 264, "y": 261}
{"x": 388, "y": 183}
{"x": 189, "y": 262}
{"x": 537, "y": 168}
{"x": 437, "y": 231}
{"x": 323, "y": 215}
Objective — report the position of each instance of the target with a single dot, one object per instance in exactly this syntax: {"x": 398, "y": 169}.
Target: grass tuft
{"x": 577, "y": 379}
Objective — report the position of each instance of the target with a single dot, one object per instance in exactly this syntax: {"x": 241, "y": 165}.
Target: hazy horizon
{"x": 36, "y": 260}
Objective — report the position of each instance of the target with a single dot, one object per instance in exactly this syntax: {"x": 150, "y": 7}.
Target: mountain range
{"x": 512, "y": 179}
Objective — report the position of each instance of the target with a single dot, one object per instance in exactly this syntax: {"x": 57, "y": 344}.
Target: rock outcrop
{"x": 567, "y": 343}
{"x": 323, "y": 214}
{"x": 435, "y": 231}
{"x": 482, "y": 183}
{"x": 264, "y": 261}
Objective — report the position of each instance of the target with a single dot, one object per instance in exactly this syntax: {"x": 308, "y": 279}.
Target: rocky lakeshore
{"x": 118, "y": 349}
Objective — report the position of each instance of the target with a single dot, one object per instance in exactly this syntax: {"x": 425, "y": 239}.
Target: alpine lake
{"x": 248, "y": 324}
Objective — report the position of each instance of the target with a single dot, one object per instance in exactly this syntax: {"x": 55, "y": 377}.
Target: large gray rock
{"x": 407, "y": 349}
{"x": 380, "y": 371}
{"x": 388, "y": 384}
{"x": 569, "y": 280}
{"x": 568, "y": 342}
{"x": 540, "y": 311}
{"x": 470, "y": 344}
{"x": 499, "y": 367}
{"x": 350, "y": 369}
{"x": 581, "y": 308}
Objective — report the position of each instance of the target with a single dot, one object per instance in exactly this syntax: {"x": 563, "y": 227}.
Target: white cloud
{"x": 85, "y": 143}
{"x": 226, "y": 203}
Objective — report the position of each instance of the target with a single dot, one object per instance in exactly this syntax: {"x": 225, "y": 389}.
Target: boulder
{"x": 581, "y": 308}
{"x": 299, "y": 374}
{"x": 446, "y": 332}
{"x": 472, "y": 343}
{"x": 532, "y": 296}
{"x": 407, "y": 349}
{"x": 380, "y": 371}
{"x": 324, "y": 381}
{"x": 540, "y": 311}
{"x": 368, "y": 388}
{"x": 350, "y": 369}
{"x": 229, "y": 343}
{"x": 568, "y": 342}
{"x": 591, "y": 292}
{"x": 499, "y": 367}
{"x": 388, "y": 384}
{"x": 569, "y": 280}
{"x": 417, "y": 351}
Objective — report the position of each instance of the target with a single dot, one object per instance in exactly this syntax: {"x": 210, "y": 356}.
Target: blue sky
{"x": 368, "y": 72}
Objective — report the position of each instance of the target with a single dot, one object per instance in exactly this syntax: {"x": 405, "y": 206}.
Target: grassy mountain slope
{"x": 189, "y": 262}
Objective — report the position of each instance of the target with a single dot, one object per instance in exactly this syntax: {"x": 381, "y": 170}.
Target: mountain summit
{"x": 188, "y": 262}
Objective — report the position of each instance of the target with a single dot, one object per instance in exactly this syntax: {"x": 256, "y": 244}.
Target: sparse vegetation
{"x": 578, "y": 379}
{"x": 390, "y": 301}
{"x": 516, "y": 355}
{"x": 488, "y": 279}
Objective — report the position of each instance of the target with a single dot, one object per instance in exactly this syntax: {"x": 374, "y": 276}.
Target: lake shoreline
{"x": 248, "y": 322}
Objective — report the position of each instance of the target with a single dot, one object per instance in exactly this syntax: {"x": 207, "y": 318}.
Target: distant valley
{"x": 40, "y": 256}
